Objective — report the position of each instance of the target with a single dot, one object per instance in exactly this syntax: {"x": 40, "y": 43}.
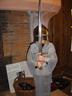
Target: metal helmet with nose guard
{"x": 44, "y": 34}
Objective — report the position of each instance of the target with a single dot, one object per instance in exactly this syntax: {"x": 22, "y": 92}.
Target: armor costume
{"x": 42, "y": 77}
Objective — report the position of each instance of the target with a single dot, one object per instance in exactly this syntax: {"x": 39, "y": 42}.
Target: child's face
{"x": 44, "y": 41}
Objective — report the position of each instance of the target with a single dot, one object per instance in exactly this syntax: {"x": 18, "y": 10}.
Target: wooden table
{"x": 58, "y": 93}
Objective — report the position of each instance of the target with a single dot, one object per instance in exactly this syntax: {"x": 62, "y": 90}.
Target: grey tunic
{"x": 42, "y": 77}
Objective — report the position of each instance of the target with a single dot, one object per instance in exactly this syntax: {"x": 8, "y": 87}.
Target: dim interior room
{"x": 17, "y": 22}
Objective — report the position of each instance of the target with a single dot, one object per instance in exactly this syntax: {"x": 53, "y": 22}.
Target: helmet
{"x": 44, "y": 34}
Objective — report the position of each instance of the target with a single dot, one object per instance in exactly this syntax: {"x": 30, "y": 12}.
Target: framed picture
{"x": 71, "y": 11}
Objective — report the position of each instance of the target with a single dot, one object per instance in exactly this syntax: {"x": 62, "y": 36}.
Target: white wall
{"x": 13, "y": 69}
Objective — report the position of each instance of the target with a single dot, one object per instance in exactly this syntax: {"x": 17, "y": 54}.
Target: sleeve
{"x": 51, "y": 59}
{"x": 31, "y": 59}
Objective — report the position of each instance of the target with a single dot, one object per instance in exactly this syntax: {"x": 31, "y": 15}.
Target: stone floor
{"x": 55, "y": 93}
{"x": 7, "y": 93}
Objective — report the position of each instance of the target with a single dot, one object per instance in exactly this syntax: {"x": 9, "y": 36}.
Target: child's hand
{"x": 40, "y": 58}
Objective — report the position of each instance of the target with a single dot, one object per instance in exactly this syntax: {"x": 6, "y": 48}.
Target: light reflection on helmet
{"x": 44, "y": 34}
